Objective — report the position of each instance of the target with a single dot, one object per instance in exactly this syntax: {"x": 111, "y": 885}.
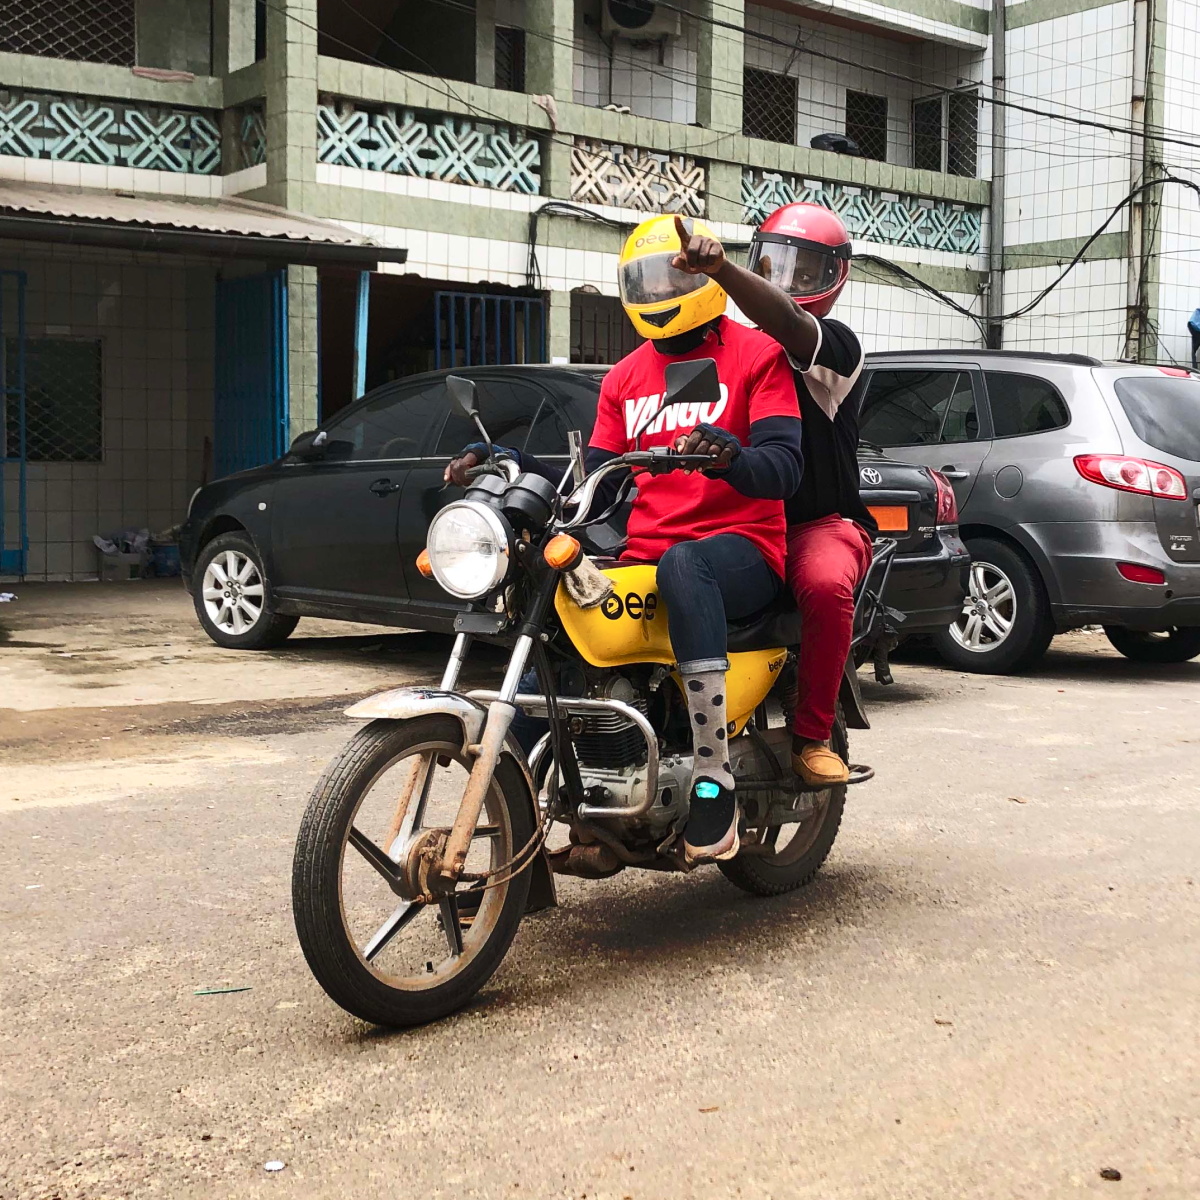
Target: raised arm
{"x": 771, "y": 309}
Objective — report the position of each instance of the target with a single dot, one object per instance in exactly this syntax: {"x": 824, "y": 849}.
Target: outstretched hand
{"x": 698, "y": 253}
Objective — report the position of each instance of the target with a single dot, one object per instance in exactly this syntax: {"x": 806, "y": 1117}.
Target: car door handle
{"x": 384, "y": 487}
{"x": 952, "y": 472}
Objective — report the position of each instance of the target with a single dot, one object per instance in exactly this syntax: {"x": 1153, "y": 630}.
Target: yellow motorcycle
{"x": 427, "y": 838}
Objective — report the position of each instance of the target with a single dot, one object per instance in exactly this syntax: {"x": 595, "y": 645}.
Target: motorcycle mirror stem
{"x": 464, "y": 396}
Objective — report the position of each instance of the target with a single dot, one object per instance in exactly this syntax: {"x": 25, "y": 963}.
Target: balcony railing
{"x": 628, "y": 177}
{"x": 111, "y": 133}
{"x": 870, "y": 214}
{"x": 426, "y": 145}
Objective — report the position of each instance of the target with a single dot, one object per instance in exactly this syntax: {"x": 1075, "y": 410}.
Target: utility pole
{"x": 995, "y": 294}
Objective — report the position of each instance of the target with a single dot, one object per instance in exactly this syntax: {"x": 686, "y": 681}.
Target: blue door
{"x": 250, "y": 410}
{"x": 14, "y": 540}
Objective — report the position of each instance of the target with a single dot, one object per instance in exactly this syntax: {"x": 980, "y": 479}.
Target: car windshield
{"x": 1164, "y": 412}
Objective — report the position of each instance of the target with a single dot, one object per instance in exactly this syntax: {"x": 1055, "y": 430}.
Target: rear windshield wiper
{"x": 870, "y": 445}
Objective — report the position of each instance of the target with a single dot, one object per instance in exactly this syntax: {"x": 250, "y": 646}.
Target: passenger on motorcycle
{"x": 799, "y": 262}
{"x": 717, "y": 534}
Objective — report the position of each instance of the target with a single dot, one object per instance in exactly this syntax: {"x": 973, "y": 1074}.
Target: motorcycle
{"x": 425, "y": 840}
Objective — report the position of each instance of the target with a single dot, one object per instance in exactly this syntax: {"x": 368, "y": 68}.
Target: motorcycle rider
{"x": 717, "y": 534}
{"x": 799, "y": 262}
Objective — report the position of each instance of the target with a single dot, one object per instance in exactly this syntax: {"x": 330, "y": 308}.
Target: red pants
{"x": 826, "y": 560}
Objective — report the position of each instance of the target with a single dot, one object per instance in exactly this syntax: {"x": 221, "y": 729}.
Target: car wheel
{"x": 1006, "y": 623}
{"x": 232, "y": 598}
{"x": 1171, "y": 646}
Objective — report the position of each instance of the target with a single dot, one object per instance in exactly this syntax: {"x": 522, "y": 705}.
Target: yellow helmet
{"x": 662, "y": 301}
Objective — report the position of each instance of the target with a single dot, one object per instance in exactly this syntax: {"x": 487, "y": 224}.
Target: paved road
{"x": 980, "y": 997}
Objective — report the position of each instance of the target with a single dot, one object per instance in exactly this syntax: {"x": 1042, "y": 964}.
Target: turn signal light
{"x": 1136, "y": 573}
{"x": 424, "y": 565}
{"x": 1132, "y": 475}
{"x": 562, "y": 552}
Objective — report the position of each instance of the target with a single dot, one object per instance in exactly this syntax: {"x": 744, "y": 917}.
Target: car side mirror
{"x": 310, "y": 444}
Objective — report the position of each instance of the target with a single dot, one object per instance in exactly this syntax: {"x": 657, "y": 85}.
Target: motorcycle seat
{"x": 776, "y": 625}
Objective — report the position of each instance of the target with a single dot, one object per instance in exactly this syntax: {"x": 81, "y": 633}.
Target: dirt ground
{"x": 991, "y": 991}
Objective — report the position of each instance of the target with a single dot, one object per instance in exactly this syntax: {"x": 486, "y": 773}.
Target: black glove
{"x": 713, "y": 440}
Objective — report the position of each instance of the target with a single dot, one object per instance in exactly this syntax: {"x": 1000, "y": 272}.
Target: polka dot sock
{"x": 705, "y": 691}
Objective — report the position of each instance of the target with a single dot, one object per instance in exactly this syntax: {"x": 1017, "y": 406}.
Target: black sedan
{"x": 334, "y": 527}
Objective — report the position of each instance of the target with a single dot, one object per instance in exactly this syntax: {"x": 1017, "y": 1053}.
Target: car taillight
{"x": 1132, "y": 475}
{"x": 947, "y": 505}
{"x": 1136, "y": 573}
{"x": 1176, "y": 372}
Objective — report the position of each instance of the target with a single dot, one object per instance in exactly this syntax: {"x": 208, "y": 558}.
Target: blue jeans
{"x": 704, "y": 584}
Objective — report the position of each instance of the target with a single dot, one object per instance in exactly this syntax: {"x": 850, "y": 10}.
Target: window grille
{"x": 99, "y": 31}
{"x": 769, "y": 106}
{"x": 62, "y": 400}
{"x": 866, "y": 123}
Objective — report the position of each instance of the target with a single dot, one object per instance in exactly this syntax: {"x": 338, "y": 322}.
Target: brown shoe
{"x": 819, "y": 766}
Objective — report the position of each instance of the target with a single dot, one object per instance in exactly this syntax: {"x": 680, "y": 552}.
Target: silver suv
{"x": 1077, "y": 483}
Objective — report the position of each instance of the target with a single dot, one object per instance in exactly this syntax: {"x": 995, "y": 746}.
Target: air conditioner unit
{"x": 639, "y": 20}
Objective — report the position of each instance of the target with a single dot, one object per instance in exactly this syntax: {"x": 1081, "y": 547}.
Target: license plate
{"x": 891, "y": 518}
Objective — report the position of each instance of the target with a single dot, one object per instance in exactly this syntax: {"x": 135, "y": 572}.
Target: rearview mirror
{"x": 692, "y": 382}
{"x": 462, "y": 393}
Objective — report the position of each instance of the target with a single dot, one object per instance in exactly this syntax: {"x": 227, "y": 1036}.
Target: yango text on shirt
{"x": 673, "y": 418}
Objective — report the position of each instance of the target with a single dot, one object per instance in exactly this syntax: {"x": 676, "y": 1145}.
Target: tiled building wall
{"x": 1179, "y": 261}
{"x": 175, "y": 35}
{"x": 1063, "y": 180}
{"x": 664, "y": 91}
{"x": 154, "y": 318}
{"x": 877, "y": 65}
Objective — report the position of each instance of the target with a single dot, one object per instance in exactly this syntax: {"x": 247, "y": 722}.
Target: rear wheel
{"x": 1006, "y": 624}
{"x": 1174, "y": 645}
{"x": 385, "y": 959}
{"x": 799, "y": 848}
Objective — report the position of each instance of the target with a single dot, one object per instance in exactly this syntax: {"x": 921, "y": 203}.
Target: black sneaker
{"x": 711, "y": 834}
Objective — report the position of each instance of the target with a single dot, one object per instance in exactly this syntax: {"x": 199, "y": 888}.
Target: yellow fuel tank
{"x": 631, "y": 627}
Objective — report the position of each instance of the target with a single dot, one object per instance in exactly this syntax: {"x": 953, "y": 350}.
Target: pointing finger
{"x": 684, "y": 236}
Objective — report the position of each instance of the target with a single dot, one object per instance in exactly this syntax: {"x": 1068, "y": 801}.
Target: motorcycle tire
{"x": 805, "y": 852}
{"x": 332, "y": 952}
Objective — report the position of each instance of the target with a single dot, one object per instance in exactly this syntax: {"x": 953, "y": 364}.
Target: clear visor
{"x": 798, "y": 271}
{"x": 652, "y": 280}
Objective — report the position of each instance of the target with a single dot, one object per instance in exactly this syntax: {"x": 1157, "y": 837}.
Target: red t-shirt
{"x": 756, "y": 382}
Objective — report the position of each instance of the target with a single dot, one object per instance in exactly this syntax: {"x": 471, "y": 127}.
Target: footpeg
{"x": 859, "y": 773}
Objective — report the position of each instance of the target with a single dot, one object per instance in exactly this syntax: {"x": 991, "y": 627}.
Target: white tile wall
{"x": 1085, "y": 314}
{"x": 1179, "y": 264}
{"x": 665, "y": 91}
{"x": 125, "y": 179}
{"x": 822, "y": 83}
{"x": 154, "y": 317}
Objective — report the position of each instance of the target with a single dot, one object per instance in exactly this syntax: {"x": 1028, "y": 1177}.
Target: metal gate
{"x": 473, "y": 329}
{"x": 14, "y": 539}
{"x": 600, "y": 330}
{"x": 250, "y": 407}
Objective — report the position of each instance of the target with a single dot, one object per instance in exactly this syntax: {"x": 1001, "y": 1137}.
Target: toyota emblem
{"x": 870, "y": 475}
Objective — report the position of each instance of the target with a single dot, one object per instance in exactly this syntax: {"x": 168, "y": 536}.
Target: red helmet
{"x": 805, "y": 250}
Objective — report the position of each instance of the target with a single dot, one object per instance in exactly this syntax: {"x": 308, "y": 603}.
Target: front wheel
{"x": 798, "y": 850}
{"x": 1171, "y": 646}
{"x": 385, "y": 959}
{"x": 232, "y": 598}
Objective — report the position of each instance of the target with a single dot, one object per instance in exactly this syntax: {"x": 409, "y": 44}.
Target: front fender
{"x": 400, "y": 704}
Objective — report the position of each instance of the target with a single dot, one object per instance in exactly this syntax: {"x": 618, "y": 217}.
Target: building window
{"x": 99, "y": 31}
{"x": 769, "y": 106}
{"x": 510, "y": 58}
{"x": 927, "y": 134}
{"x": 962, "y": 123}
{"x": 946, "y": 133}
{"x": 866, "y": 123}
{"x": 62, "y": 400}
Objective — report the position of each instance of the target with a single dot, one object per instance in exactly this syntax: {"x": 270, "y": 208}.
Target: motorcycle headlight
{"x": 468, "y": 549}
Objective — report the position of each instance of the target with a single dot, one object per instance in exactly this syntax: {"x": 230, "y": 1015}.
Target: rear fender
{"x": 401, "y": 704}
{"x": 851, "y": 699}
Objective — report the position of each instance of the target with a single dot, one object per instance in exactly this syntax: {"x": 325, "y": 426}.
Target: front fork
{"x": 501, "y": 713}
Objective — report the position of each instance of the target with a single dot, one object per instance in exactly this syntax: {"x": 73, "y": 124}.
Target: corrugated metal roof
{"x": 282, "y": 231}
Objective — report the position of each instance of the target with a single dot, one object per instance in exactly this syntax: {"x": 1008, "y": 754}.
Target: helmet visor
{"x": 797, "y": 270}
{"x": 652, "y": 280}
